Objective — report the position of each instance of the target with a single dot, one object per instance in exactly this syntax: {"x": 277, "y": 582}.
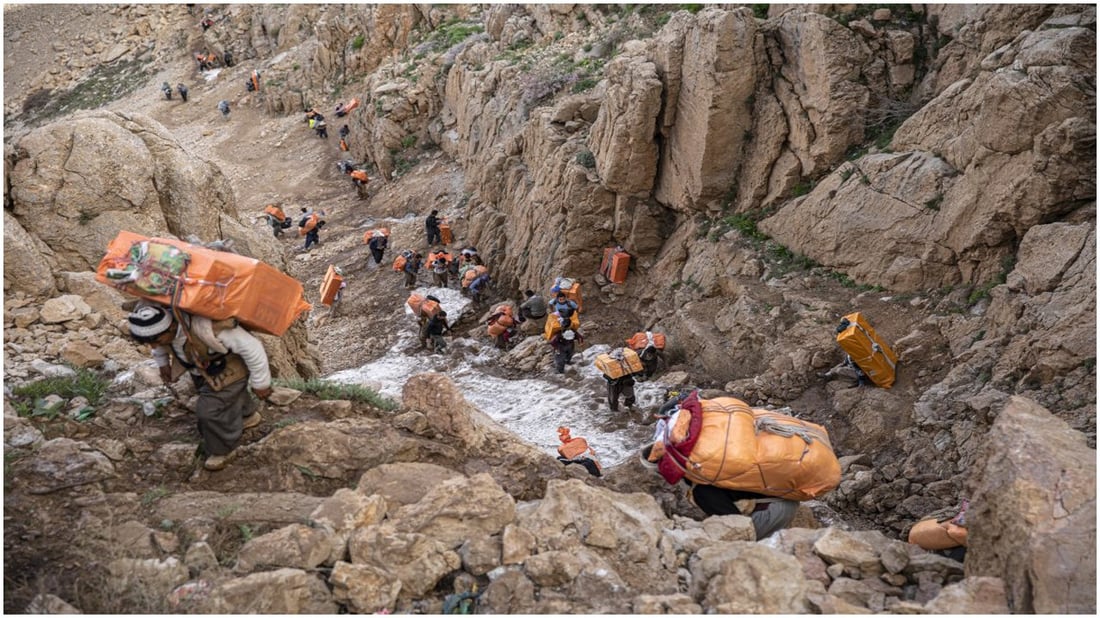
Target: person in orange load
{"x": 576, "y": 451}
{"x": 360, "y": 178}
{"x": 224, "y": 360}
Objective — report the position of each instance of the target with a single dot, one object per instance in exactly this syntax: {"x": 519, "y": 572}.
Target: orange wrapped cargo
{"x": 641, "y": 341}
{"x": 382, "y": 231}
{"x": 931, "y": 534}
{"x": 275, "y": 211}
{"x": 330, "y": 286}
{"x": 423, "y": 307}
{"x": 868, "y": 350}
{"x": 501, "y": 320}
{"x": 571, "y": 288}
{"x": 445, "y": 235}
{"x": 615, "y": 264}
{"x": 213, "y": 284}
{"x": 761, "y": 451}
{"x": 553, "y": 325}
{"x": 616, "y": 368}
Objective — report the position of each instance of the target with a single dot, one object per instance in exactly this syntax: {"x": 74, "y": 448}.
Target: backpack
{"x": 399, "y": 261}
{"x": 867, "y": 350}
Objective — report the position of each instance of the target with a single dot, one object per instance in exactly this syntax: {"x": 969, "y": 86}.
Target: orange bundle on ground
{"x": 615, "y": 264}
{"x": 445, "y": 235}
{"x": 641, "y": 341}
{"x": 330, "y": 285}
{"x": 352, "y": 104}
{"x": 869, "y": 351}
{"x": 761, "y": 451}
{"x": 201, "y": 281}
{"x": 615, "y": 367}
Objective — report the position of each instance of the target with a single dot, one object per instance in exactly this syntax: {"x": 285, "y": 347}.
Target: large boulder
{"x": 622, "y": 138}
{"x": 457, "y": 510}
{"x": 1033, "y": 512}
{"x": 748, "y": 578}
{"x": 283, "y": 591}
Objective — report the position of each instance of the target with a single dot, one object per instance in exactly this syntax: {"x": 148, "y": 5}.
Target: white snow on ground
{"x": 533, "y": 408}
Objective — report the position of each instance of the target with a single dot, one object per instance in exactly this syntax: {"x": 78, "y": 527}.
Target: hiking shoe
{"x": 216, "y": 462}
{"x": 253, "y": 420}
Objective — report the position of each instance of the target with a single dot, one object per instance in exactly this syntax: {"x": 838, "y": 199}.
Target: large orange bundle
{"x": 423, "y": 307}
{"x": 761, "y": 451}
{"x": 330, "y": 285}
{"x": 472, "y": 274}
{"x": 553, "y": 325}
{"x": 868, "y": 350}
{"x": 932, "y": 535}
{"x": 275, "y": 211}
{"x": 500, "y": 319}
{"x": 382, "y": 231}
{"x": 616, "y": 366}
{"x": 201, "y": 281}
{"x": 640, "y": 341}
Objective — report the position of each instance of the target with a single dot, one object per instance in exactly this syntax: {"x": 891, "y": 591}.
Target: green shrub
{"x": 586, "y": 158}
{"x": 326, "y": 390}
{"x": 802, "y": 188}
{"x": 760, "y": 11}
{"x": 408, "y": 141}
{"x": 357, "y": 42}
{"x": 85, "y": 383}
{"x": 934, "y": 203}
{"x": 586, "y": 83}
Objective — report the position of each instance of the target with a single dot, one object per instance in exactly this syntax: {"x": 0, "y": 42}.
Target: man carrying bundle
{"x": 224, "y": 360}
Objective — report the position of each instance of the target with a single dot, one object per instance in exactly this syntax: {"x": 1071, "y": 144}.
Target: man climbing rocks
{"x": 182, "y": 90}
{"x": 224, "y": 361}
{"x": 167, "y": 90}
{"x": 434, "y": 329}
{"x": 377, "y": 245}
{"x": 360, "y": 178}
{"x": 322, "y": 130}
{"x": 563, "y": 343}
{"x": 412, "y": 269}
{"x": 312, "y": 228}
{"x": 431, "y": 226}
{"x": 223, "y": 107}
{"x": 768, "y": 514}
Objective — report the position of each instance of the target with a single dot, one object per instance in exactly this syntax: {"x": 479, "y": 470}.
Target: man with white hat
{"x": 224, "y": 360}
{"x": 564, "y": 343}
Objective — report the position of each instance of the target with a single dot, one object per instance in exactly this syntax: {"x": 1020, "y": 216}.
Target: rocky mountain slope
{"x": 768, "y": 171}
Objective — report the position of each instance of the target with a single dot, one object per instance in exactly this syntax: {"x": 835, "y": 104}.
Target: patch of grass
{"x": 586, "y": 83}
{"x": 760, "y": 11}
{"x": 357, "y": 42}
{"x": 286, "y": 422}
{"x": 310, "y": 474}
{"x": 402, "y": 166}
{"x": 802, "y": 188}
{"x": 847, "y": 173}
{"x": 452, "y": 33}
{"x": 586, "y": 159}
{"x": 408, "y": 141}
{"x": 296, "y": 66}
{"x": 154, "y": 495}
{"x": 227, "y": 510}
{"x": 85, "y": 383}
{"x": 745, "y": 224}
{"x": 934, "y": 203}
{"x": 326, "y": 390}
{"x": 105, "y": 84}
{"x": 246, "y": 532}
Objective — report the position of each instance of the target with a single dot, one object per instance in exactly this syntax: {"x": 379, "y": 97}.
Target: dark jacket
{"x": 379, "y": 243}
{"x": 436, "y": 326}
{"x": 431, "y": 224}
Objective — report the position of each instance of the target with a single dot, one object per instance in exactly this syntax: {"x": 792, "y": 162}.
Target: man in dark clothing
{"x": 768, "y": 514}
{"x": 624, "y": 387}
{"x": 431, "y": 226}
{"x": 564, "y": 343}
{"x": 167, "y": 90}
{"x": 377, "y": 245}
{"x": 412, "y": 269}
{"x": 322, "y": 130}
{"x": 223, "y": 107}
{"x": 183, "y": 91}
{"x": 228, "y": 58}
{"x": 344, "y": 131}
{"x": 436, "y": 326}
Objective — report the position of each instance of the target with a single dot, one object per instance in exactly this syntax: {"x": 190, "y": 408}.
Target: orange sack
{"x": 931, "y": 534}
{"x": 761, "y": 451}
{"x": 213, "y": 284}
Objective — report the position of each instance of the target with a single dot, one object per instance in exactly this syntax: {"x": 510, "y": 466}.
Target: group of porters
{"x": 721, "y": 441}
